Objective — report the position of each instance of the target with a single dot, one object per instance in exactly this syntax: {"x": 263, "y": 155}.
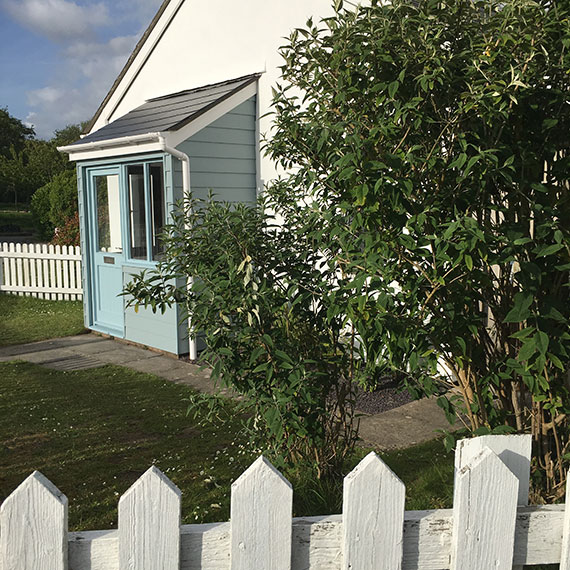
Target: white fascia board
{"x": 115, "y": 151}
{"x": 174, "y": 138}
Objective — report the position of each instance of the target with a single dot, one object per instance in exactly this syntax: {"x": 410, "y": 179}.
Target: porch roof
{"x": 167, "y": 113}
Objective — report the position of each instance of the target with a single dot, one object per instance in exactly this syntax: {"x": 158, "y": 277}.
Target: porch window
{"x": 146, "y": 209}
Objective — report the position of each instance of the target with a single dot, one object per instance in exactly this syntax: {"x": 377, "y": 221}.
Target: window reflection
{"x": 108, "y": 214}
{"x": 137, "y": 211}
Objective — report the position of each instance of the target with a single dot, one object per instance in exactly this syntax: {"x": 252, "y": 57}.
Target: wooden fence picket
{"x": 149, "y": 524}
{"x": 565, "y": 549}
{"x": 33, "y": 527}
{"x": 45, "y": 264}
{"x": 19, "y": 269}
{"x": 41, "y": 270}
{"x": 484, "y": 514}
{"x": 26, "y": 268}
{"x": 373, "y": 517}
{"x": 513, "y": 450}
{"x": 261, "y": 519}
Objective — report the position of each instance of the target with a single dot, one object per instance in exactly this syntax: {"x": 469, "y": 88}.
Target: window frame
{"x": 150, "y": 230}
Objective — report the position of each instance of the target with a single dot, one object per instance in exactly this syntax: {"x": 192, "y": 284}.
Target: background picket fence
{"x": 41, "y": 270}
{"x": 484, "y": 531}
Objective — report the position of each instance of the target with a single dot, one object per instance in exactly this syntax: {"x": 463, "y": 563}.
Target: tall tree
{"x": 13, "y": 133}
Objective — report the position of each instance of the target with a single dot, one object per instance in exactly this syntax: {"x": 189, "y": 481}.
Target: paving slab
{"x": 95, "y": 348}
{"x": 80, "y": 341}
{"x": 74, "y": 362}
{"x": 45, "y": 355}
{"x": 157, "y": 365}
{"x": 410, "y": 424}
{"x": 124, "y": 354}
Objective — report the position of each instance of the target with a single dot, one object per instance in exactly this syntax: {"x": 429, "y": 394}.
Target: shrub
{"x": 55, "y": 203}
{"x": 259, "y": 300}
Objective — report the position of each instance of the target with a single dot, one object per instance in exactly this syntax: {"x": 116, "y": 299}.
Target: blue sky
{"x": 58, "y": 58}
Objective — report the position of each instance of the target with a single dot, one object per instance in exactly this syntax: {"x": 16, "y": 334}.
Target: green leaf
{"x": 527, "y": 350}
{"x": 541, "y": 341}
{"x": 459, "y": 161}
{"x": 392, "y": 88}
{"x": 520, "y": 311}
{"x": 546, "y": 250}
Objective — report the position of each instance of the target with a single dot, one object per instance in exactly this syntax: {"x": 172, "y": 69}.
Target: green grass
{"x": 94, "y": 432}
{"x": 12, "y": 222}
{"x": 27, "y": 319}
{"x": 426, "y": 470}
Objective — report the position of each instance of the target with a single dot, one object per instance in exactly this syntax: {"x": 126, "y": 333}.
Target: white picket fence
{"x": 41, "y": 270}
{"x": 484, "y": 531}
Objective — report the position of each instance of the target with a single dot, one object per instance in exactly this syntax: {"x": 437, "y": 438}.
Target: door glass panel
{"x": 108, "y": 213}
{"x": 157, "y": 206}
{"x": 137, "y": 211}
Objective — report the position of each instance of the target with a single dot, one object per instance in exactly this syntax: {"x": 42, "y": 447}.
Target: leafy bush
{"x": 430, "y": 139}
{"x": 55, "y": 203}
{"x": 68, "y": 234}
{"x": 259, "y": 299}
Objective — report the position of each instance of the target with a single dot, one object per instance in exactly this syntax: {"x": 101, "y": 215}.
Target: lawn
{"x": 27, "y": 319}
{"x": 94, "y": 432}
{"x": 12, "y": 222}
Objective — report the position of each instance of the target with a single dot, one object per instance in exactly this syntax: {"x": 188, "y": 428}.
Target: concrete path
{"x": 407, "y": 425}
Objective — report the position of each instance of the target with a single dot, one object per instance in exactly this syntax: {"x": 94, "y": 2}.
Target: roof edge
{"x": 252, "y": 79}
{"x": 110, "y": 143}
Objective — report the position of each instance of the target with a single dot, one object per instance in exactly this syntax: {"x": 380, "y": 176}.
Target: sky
{"x": 58, "y": 58}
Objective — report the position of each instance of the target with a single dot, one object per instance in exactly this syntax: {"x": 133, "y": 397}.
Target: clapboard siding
{"x": 158, "y": 330}
{"x": 223, "y": 156}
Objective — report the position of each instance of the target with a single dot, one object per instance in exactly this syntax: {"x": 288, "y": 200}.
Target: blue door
{"x": 106, "y": 244}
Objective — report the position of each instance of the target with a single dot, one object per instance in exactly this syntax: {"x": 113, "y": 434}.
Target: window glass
{"x": 157, "y": 206}
{"x": 137, "y": 211}
{"x": 108, "y": 214}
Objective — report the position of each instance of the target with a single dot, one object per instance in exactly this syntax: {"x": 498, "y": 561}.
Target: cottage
{"x": 186, "y": 113}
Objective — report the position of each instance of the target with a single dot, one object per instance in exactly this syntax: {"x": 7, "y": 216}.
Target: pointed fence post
{"x": 373, "y": 517}
{"x": 149, "y": 524}
{"x": 261, "y": 519}
{"x": 484, "y": 515}
{"x": 513, "y": 450}
{"x": 33, "y": 527}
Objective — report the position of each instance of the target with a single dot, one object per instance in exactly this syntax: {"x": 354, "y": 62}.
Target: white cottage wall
{"x": 210, "y": 41}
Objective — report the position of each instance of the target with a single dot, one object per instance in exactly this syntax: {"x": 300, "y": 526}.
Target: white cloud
{"x": 88, "y": 72}
{"x": 58, "y": 20}
{"x": 89, "y": 58}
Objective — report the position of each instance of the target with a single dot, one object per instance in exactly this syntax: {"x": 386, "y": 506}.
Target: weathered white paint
{"x": 317, "y": 542}
{"x": 373, "y": 516}
{"x": 312, "y": 543}
{"x": 484, "y": 514}
{"x": 149, "y": 524}
{"x": 33, "y": 527}
{"x": 565, "y": 550}
{"x": 513, "y": 450}
{"x": 41, "y": 270}
{"x": 261, "y": 511}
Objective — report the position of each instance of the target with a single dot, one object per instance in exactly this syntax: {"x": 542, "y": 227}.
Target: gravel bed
{"x": 386, "y": 396}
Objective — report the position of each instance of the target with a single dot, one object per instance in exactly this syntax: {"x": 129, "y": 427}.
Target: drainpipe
{"x": 192, "y": 345}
